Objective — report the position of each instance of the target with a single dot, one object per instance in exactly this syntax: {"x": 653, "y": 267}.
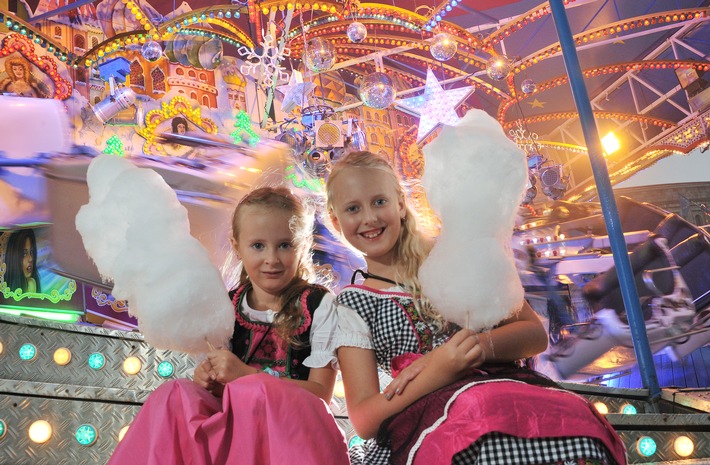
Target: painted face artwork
{"x": 27, "y": 259}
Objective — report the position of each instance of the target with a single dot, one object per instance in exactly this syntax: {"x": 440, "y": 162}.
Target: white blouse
{"x": 352, "y": 329}
{"x": 323, "y": 330}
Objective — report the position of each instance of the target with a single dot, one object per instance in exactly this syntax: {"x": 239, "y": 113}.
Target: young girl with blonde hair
{"x": 457, "y": 396}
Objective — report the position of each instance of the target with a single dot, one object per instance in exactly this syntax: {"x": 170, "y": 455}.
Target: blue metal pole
{"x": 629, "y": 292}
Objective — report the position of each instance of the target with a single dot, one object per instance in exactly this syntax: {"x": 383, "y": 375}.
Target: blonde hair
{"x": 411, "y": 249}
{"x": 289, "y": 318}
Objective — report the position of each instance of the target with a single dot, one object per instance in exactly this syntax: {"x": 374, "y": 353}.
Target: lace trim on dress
{"x": 259, "y": 326}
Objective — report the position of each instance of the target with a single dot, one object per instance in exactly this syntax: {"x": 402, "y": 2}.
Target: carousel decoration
{"x": 21, "y": 63}
{"x": 499, "y": 67}
{"x": 177, "y": 107}
{"x": 553, "y": 182}
{"x": 443, "y": 47}
{"x": 151, "y": 50}
{"x": 243, "y": 125}
{"x": 435, "y": 106}
{"x": 356, "y": 32}
{"x": 528, "y": 86}
{"x": 114, "y": 146}
{"x": 295, "y": 93}
{"x": 265, "y": 65}
{"x": 320, "y": 55}
{"x": 377, "y": 90}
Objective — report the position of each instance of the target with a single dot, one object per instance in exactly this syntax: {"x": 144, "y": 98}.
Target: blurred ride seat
{"x": 666, "y": 304}
{"x": 693, "y": 258}
{"x": 675, "y": 229}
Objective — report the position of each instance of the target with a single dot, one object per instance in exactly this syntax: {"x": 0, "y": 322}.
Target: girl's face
{"x": 265, "y": 246}
{"x": 27, "y": 259}
{"x": 367, "y": 210}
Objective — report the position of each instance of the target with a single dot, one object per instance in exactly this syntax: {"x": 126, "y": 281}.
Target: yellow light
{"x": 40, "y": 431}
{"x": 601, "y": 407}
{"x": 122, "y": 433}
{"x": 610, "y": 143}
{"x": 1, "y": 347}
{"x": 339, "y": 389}
{"x": 62, "y": 356}
{"x": 132, "y": 365}
{"x": 683, "y": 446}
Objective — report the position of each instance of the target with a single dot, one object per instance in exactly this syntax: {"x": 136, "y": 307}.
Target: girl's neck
{"x": 380, "y": 276}
{"x": 262, "y": 301}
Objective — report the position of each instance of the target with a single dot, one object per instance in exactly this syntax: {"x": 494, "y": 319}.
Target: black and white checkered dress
{"x": 388, "y": 323}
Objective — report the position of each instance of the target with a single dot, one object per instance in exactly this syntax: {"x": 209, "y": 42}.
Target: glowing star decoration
{"x": 435, "y": 106}
{"x": 114, "y": 146}
{"x": 295, "y": 92}
{"x": 243, "y": 124}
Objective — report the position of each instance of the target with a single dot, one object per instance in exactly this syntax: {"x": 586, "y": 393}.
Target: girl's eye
{"x": 285, "y": 245}
{"x": 257, "y": 246}
{"x": 380, "y": 202}
{"x": 351, "y": 209}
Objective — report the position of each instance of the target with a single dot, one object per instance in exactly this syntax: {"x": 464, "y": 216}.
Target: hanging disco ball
{"x": 320, "y": 55}
{"x": 499, "y": 67}
{"x": 151, "y": 50}
{"x": 528, "y": 86}
{"x": 377, "y": 90}
{"x": 443, "y": 46}
{"x": 357, "y": 32}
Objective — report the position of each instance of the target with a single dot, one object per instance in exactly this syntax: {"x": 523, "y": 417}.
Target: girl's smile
{"x": 370, "y": 220}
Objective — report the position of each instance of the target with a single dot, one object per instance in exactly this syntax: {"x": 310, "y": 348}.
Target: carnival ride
{"x": 644, "y": 66}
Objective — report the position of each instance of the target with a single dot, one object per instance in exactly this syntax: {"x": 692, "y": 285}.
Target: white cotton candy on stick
{"x": 138, "y": 234}
{"x": 474, "y": 178}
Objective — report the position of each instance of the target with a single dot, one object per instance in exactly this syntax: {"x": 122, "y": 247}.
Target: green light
{"x": 97, "y": 361}
{"x": 28, "y": 352}
{"x": 243, "y": 124}
{"x": 629, "y": 410}
{"x": 86, "y": 435}
{"x": 114, "y": 146}
{"x": 646, "y": 446}
{"x": 355, "y": 441}
{"x": 166, "y": 369}
{"x": 46, "y": 315}
{"x": 315, "y": 185}
{"x": 54, "y": 296}
{"x": 3, "y": 429}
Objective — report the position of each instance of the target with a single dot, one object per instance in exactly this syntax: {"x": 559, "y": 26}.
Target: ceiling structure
{"x": 631, "y": 53}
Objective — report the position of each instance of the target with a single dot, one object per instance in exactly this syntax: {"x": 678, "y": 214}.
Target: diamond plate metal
{"x": 664, "y": 443}
{"x": 65, "y": 416}
{"x": 82, "y": 341}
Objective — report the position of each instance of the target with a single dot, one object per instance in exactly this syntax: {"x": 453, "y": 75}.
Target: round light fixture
{"x": 62, "y": 356}
{"x": 40, "y": 431}
{"x": 132, "y": 365}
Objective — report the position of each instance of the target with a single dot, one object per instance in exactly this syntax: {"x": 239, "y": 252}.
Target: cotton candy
{"x": 474, "y": 178}
{"x": 138, "y": 234}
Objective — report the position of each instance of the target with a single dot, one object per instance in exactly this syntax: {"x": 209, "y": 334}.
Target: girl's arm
{"x": 321, "y": 382}
{"x": 368, "y": 408}
{"x": 321, "y": 379}
{"x": 222, "y": 367}
{"x": 519, "y": 336}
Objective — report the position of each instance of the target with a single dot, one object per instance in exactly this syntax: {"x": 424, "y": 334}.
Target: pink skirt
{"x": 259, "y": 420}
